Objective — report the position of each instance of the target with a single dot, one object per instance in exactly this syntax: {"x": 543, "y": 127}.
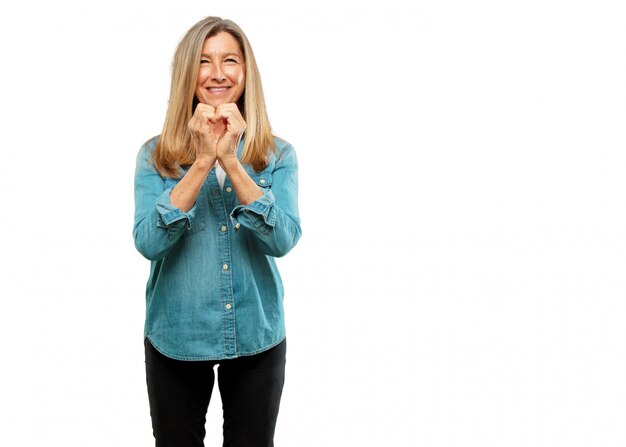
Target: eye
{"x": 204, "y": 61}
{"x": 231, "y": 60}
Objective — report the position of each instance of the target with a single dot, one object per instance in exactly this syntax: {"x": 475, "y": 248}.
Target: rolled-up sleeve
{"x": 158, "y": 224}
{"x": 169, "y": 215}
{"x": 274, "y": 217}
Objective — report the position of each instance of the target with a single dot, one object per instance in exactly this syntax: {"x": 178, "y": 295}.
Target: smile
{"x": 217, "y": 90}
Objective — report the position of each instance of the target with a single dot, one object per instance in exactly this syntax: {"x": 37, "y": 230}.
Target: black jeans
{"x": 250, "y": 388}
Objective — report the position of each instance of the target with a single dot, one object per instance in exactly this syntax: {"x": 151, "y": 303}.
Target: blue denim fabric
{"x": 214, "y": 291}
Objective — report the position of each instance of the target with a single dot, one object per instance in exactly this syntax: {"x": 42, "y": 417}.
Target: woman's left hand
{"x": 234, "y": 128}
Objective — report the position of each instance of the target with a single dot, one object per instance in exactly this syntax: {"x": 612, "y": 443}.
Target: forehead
{"x": 221, "y": 43}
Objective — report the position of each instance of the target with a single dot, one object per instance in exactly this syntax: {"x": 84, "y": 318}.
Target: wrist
{"x": 230, "y": 164}
{"x": 204, "y": 162}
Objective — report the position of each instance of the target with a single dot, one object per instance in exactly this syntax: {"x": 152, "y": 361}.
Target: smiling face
{"x": 222, "y": 74}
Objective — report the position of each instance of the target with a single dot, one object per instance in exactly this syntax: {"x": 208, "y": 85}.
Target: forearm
{"x": 185, "y": 193}
{"x": 270, "y": 212}
{"x": 246, "y": 189}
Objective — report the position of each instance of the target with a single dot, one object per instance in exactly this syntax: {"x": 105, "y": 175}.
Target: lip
{"x": 217, "y": 90}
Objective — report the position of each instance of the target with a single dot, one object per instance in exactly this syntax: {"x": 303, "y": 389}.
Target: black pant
{"x": 250, "y": 388}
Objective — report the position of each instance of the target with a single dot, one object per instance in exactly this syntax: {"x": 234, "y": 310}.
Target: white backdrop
{"x": 460, "y": 280}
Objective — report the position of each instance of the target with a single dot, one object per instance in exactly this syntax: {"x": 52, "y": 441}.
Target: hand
{"x": 235, "y": 125}
{"x": 205, "y": 131}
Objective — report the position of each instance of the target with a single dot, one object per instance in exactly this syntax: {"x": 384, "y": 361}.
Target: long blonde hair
{"x": 174, "y": 149}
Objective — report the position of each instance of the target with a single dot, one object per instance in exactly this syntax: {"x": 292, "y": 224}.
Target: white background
{"x": 461, "y": 277}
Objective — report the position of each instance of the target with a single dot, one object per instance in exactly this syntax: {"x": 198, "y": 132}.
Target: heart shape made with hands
{"x": 218, "y": 125}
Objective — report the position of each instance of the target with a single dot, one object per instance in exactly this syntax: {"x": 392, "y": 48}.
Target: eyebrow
{"x": 223, "y": 55}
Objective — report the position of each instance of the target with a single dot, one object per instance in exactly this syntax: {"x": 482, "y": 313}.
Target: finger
{"x": 219, "y": 113}
{"x": 232, "y": 119}
{"x": 201, "y": 107}
{"x": 231, "y": 111}
{"x": 228, "y": 106}
{"x": 208, "y": 117}
{"x": 221, "y": 119}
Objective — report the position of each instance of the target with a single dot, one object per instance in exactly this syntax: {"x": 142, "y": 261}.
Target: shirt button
{"x": 224, "y": 228}
{"x": 228, "y": 306}
{"x": 229, "y": 189}
{"x": 262, "y": 181}
{"x": 225, "y": 266}
{"x": 237, "y": 225}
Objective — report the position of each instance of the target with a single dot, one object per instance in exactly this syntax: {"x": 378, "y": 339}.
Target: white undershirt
{"x": 221, "y": 174}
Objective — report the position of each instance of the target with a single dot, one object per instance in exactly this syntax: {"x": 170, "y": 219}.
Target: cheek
{"x": 241, "y": 76}
{"x": 238, "y": 76}
{"x": 241, "y": 82}
{"x": 202, "y": 75}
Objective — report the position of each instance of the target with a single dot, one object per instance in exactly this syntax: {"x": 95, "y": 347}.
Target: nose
{"x": 217, "y": 74}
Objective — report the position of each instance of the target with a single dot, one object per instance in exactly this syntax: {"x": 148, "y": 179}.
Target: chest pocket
{"x": 199, "y": 219}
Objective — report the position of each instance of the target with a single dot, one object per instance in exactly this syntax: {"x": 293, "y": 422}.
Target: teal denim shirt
{"x": 214, "y": 291}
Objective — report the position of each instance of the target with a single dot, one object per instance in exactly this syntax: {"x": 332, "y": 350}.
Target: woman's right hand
{"x": 203, "y": 133}
{"x": 204, "y": 129}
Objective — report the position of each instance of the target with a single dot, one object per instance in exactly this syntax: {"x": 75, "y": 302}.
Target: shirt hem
{"x": 202, "y": 358}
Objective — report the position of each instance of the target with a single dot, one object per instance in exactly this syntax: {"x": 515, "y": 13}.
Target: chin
{"x": 217, "y": 102}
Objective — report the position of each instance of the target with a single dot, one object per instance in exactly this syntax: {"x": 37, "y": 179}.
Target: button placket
{"x": 224, "y": 259}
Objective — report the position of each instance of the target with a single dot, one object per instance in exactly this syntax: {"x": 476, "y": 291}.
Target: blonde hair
{"x": 174, "y": 149}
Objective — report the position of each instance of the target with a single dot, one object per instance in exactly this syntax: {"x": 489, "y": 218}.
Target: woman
{"x": 215, "y": 203}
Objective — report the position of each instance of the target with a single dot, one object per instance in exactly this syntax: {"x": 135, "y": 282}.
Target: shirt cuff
{"x": 169, "y": 214}
{"x": 260, "y": 212}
